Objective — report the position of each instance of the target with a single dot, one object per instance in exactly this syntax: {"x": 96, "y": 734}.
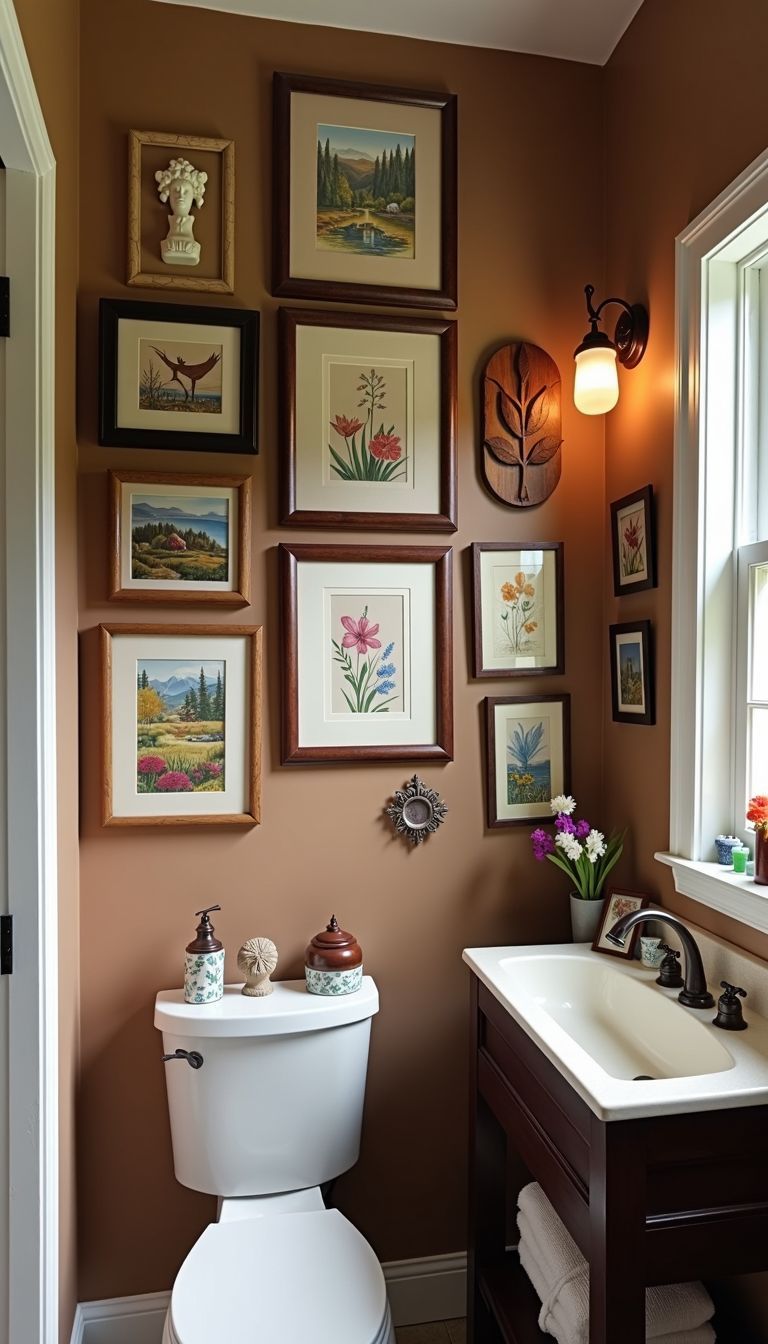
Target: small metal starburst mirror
{"x": 416, "y": 811}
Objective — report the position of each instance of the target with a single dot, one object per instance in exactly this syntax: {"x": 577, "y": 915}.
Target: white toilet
{"x": 271, "y": 1113}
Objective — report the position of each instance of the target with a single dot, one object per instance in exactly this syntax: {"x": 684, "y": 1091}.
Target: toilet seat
{"x": 283, "y": 1279}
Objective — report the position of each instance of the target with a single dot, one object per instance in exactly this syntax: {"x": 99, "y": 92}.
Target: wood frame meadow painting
{"x": 633, "y": 542}
{"x": 182, "y": 724}
{"x": 528, "y": 756}
{"x": 368, "y": 670}
{"x": 364, "y": 193}
{"x": 368, "y": 421}
{"x": 632, "y": 680}
{"x": 518, "y": 608}
{"x": 180, "y": 538}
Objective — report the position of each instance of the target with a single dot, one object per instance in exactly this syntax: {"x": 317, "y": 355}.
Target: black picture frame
{"x": 643, "y": 500}
{"x": 646, "y": 712}
{"x": 113, "y": 435}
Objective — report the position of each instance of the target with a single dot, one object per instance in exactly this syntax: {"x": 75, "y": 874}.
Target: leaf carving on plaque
{"x": 521, "y": 424}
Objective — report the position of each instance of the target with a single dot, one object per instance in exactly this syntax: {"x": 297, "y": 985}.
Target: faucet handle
{"x": 732, "y": 990}
{"x": 669, "y": 975}
{"x": 729, "y": 1014}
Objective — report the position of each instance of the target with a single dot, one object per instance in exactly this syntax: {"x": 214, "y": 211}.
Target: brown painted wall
{"x": 50, "y": 32}
{"x": 531, "y": 235}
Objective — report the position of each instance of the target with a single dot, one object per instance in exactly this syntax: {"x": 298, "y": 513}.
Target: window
{"x": 719, "y": 744}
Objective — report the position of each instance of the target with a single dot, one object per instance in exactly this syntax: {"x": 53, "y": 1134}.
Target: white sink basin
{"x": 626, "y": 1045}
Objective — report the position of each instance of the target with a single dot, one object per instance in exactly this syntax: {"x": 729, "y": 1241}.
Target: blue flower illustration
{"x": 386, "y": 670}
{"x": 387, "y": 652}
{"x": 384, "y": 687}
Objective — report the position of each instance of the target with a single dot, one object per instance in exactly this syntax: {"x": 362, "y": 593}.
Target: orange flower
{"x": 509, "y": 592}
{"x": 530, "y": 627}
{"x": 529, "y": 590}
{"x": 757, "y": 812}
{"x": 520, "y": 580}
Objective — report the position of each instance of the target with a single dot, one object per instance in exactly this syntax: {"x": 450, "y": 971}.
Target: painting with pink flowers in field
{"x": 180, "y": 710}
{"x": 369, "y": 672}
{"x": 368, "y": 410}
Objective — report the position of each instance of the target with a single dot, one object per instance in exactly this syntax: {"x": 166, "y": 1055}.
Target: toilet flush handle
{"x": 193, "y": 1058}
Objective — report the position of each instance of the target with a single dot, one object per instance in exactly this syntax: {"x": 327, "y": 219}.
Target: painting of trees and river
{"x": 366, "y": 191}
{"x": 180, "y": 711}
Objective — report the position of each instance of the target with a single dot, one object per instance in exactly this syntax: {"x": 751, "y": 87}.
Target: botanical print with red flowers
{"x": 367, "y": 654}
{"x": 368, "y": 423}
{"x": 519, "y": 618}
{"x": 633, "y": 561}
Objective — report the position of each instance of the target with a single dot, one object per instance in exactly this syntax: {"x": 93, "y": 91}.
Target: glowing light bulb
{"x": 596, "y": 383}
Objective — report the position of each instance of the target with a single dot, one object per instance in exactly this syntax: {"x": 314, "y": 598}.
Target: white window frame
{"x": 715, "y": 512}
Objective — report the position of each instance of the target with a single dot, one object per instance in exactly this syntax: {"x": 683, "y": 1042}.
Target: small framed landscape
{"x": 180, "y": 538}
{"x": 177, "y": 377}
{"x": 633, "y": 542}
{"x": 632, "y": 682}
{"x": 181, "y": 212}
{"x": 368, "y": 415}
{"x": 517, "y": 590}
{"x": 617, "y": 904}
{"x": 364, "y": 193}
{"x": 367, "y": 658}
{"x": 182, "y": 724}
{"x": 528, "y": 756}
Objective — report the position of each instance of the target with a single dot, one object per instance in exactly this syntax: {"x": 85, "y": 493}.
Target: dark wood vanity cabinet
{"x": 650, "y": 1201}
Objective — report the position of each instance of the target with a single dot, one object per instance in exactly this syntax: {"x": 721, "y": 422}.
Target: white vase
{"x": 585, "y": 917}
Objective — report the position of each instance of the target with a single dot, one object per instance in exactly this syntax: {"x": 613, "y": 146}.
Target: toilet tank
{"x": 277, "y": 1102}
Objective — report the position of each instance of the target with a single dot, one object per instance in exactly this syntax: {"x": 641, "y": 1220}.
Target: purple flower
{"x": 543, "y": 844}
{"x": 564, "y": 824}
{"x": 582, "y": 829}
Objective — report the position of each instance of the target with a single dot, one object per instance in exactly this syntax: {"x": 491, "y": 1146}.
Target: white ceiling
{"x": 575, "y": 30}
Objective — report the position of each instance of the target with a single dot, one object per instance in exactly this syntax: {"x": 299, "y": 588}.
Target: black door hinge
{"x": 6, "y": 944}
{"x": 5, "y": 305}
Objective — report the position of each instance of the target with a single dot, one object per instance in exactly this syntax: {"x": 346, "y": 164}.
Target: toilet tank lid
{"x": 290, "y": 1008}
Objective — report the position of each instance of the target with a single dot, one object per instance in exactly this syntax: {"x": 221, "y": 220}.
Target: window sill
{"x": 721, "y": 889}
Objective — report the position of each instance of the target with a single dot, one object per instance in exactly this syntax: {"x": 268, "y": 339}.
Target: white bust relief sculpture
{"x": 182, "y": 185}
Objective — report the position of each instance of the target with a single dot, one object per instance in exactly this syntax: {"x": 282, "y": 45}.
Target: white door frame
{"x": 30, "y": 708}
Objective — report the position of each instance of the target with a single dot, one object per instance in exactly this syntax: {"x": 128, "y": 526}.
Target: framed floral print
{"x": 181, "y": 724}
{"x": 528, "y": 756}
{"x": 180, "y": 538}
{"x": 173, "y": 376}
{"x": 364, "y": 193}
{"x": 632, "y": 682}
{"x": 517, "y": 591}
{"x": 368, "y": 421}
{"x": 633, "y": 542}
{"x": 617, "y": 904}
{"x": 367, "y": 658}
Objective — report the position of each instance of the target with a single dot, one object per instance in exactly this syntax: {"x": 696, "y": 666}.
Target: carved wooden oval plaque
{"x": 521, "y": 424}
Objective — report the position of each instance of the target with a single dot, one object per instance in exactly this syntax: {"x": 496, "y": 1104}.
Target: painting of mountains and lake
{"x": 366, "y": 191}
{"x": 183, "y": 537}
{"x": 180, "y": 713}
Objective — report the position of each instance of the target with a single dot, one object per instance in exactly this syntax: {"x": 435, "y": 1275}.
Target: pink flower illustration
{"x": 174, "y": 781}
{"x": 151, "y": 765}
{"x": 360, "y": 634}
{"x": 386, "y": 447}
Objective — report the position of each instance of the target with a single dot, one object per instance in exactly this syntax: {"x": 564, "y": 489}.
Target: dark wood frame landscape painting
{"x": 164, "y": 386}
{"x": 367, "y": 421}
{"x": 632, "y": 674}
{"x": 364, "y": 193}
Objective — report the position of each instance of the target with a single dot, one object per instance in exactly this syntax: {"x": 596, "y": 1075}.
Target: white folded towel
{"x": 674, "y": 1314}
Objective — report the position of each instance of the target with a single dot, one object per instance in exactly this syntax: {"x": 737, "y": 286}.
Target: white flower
{"x": 563, "y": 804}
{"x": 570, "y": 846}
{"x": 595, "y": 845}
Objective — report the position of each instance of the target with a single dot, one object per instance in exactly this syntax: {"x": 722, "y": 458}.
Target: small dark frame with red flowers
{"x": 633, "y": 542}
{"x": 617, "y": 903}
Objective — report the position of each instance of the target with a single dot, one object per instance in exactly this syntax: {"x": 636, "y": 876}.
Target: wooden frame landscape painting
{"x": 368, "y": 653}
{"x": 181, "y": 724}
{"x": 173, "y": 376}
{"x": 617, "y": 904}
{"x": 368, "y": 421}
{"x": 364, "y": 193}
{"x": 632, "y": 681}
{"x": 528, "y": 756}
{"x": 180, "y": 538}
{"x": 213, "y": 221}
{"x": 633, "y": 542}
{"x": 518, "y": 608}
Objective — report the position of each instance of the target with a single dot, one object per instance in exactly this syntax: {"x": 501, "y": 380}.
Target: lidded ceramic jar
{"x": 333, "y": 961}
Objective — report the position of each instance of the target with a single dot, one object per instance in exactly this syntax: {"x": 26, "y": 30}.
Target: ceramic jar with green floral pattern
{"x": 334, "y": 961}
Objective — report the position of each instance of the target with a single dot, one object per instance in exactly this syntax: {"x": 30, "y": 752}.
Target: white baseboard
{"x": 429, "y": 1289}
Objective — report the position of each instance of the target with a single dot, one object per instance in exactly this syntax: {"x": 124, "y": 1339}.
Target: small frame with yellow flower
{"x": 518, "y": 608}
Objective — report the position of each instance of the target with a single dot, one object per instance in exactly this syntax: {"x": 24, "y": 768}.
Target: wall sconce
{"x": 596, "y": 383}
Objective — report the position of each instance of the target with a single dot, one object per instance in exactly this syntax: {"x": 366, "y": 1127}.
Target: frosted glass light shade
{"x": 596, "y": 384}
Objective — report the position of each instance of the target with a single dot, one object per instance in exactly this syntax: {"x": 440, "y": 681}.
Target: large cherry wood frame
{"x": 491, "y": 701}
{"x": 251, "y": 632}
{"x": 661, "y": 1200}
{"x": 290, "y": 319}
{"x": 440, "y": 557}
{"x": 228, "y": 597}
{"x": 287, "y": 286}
{"x": 554, "y": 669}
